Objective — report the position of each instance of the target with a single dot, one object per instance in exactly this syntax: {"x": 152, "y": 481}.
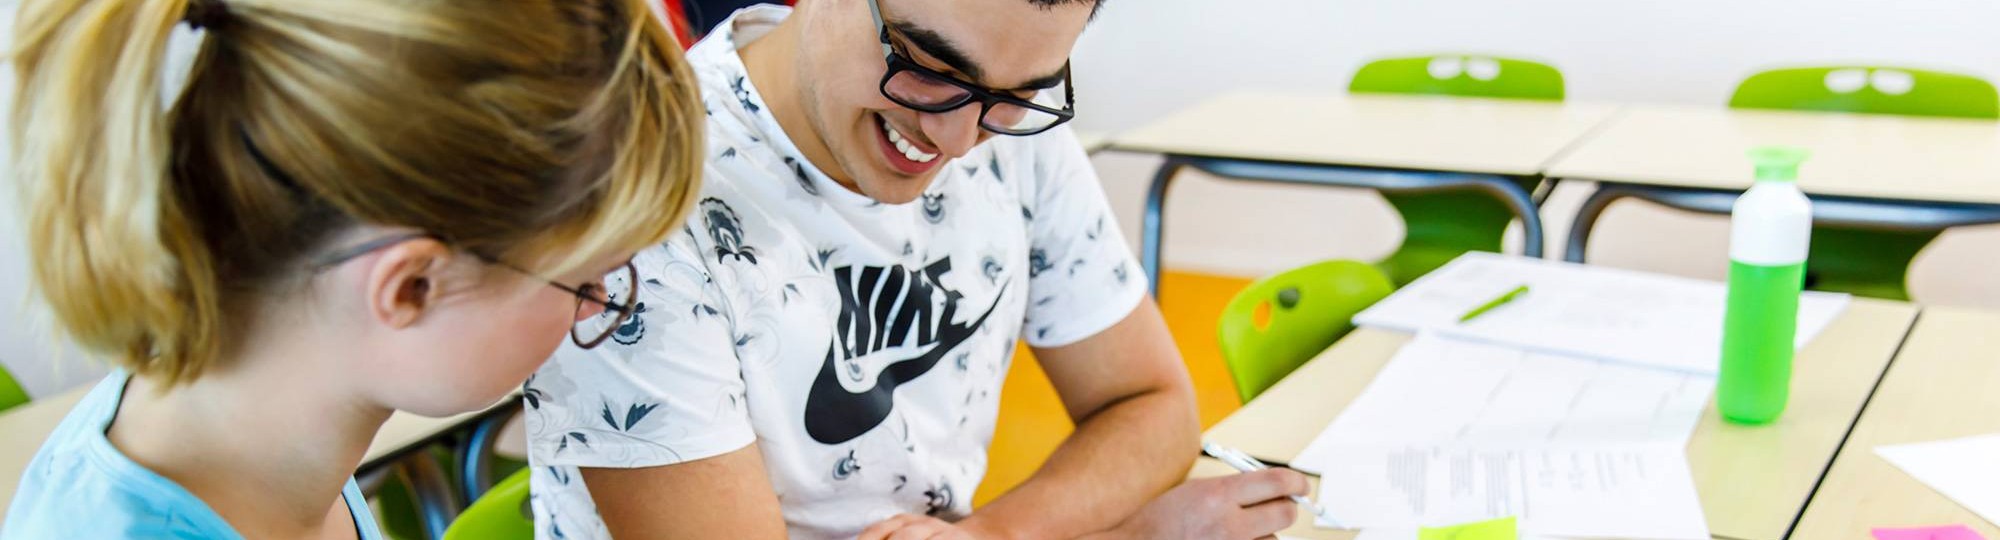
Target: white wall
{"x": 29, "y": 348}
{"x": 1144, "y": 58}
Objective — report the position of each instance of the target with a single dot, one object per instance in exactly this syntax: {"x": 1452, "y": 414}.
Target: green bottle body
{"x": 1758, "y": 331}
{"x": 1770, "y": 235}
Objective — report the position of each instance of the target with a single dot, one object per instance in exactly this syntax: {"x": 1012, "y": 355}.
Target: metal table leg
{"x": 475, "y": 454}
{"x": 436, "y": 504}
{"x": 1852, "y": 212}
{"x": 1154, "y": 227}
{"x": 1504, "y": 188}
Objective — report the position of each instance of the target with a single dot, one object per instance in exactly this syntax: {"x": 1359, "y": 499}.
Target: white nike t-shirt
{"x": 860, "y": 345}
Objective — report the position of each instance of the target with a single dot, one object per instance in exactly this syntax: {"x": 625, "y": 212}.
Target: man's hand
{"x": 914, "y": 527}
{"x": 1237, "y": 507}
{"x": 1137, "y": 432}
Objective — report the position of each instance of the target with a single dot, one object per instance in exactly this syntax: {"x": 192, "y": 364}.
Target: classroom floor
{"x": 1032, "y": 421}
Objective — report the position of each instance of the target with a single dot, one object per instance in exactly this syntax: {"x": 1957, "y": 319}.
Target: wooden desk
{"x": 1940, "y": 387}
{"x": 1753, "y": 480}
{"x": 1856, "y": 155}
{"x": 1386, "y": 143}
{"x": 1490, "y": 136}
{"x": 1878, "y": 172}
{"x": 23, "y": 429}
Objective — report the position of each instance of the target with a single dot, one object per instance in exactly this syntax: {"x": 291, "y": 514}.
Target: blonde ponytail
{"x": 115, "y": 255}
{"x": 548, "y": 130}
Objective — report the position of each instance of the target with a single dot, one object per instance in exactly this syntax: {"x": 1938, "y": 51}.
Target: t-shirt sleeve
{"x": 1082, "y": 276}
{"x": 665, "y": 389}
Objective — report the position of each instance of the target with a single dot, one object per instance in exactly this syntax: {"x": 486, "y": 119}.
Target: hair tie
{"x": 205, "y": 14}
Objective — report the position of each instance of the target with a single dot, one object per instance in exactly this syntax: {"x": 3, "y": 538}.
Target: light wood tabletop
{"x": 1492, "y": 136}
{"x": 1753, "y": 481}
{"x": 1858, "y": 155}
{"x": 1940, "y": 387}
{"x": 23, "y": 429}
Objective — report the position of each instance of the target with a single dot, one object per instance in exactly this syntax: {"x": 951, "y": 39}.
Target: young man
{"x": 891, "y": 202}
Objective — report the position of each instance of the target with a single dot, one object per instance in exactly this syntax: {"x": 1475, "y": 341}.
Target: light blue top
{"x": 79, "y": 486}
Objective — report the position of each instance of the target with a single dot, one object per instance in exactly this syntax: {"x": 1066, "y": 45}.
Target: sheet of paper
{"x": 1963, "y": 470}
{"x": 1446, "y": 391}
{"x": 1628, "y": 491}
{"x": 1592, "y": 311}
{"x": 1951, "y": 532}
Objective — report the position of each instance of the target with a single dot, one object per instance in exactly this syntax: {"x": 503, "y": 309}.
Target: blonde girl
{"x": 352, "y": 207}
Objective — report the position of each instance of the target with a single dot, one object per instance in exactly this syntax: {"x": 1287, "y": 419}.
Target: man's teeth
{"x": 909, "y": 151}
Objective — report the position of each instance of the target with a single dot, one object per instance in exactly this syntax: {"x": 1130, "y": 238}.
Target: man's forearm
{"x": 1118, "y": 459}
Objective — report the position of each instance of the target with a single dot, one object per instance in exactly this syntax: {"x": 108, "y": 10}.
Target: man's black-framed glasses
{"x": 924, "y": 89}
{"x": 616, "y": 294}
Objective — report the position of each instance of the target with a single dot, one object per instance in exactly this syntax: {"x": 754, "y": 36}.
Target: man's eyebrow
{"x": 1047, "y": 81}
{"x": 938, "y": 47}
{"x": 942, "y": 48}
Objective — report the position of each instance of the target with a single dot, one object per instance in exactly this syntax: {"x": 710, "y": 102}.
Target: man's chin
{"x": 897, "y": 189}
{"x": 897, "y": 192}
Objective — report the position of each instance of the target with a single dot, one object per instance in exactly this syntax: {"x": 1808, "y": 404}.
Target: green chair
{"x": 1460, "y": 75}
{"x": 1868, "y": 262}
{"x": 1279, "y": 322}
{"x": 1441, "y": 225}
{"x": 11, "y": 393}
{"x": 400, "y": 508}
{"x": 1869, "y": 89}
{"x": 501, "y": 514}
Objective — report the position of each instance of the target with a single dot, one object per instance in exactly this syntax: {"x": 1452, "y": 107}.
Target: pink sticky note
{"x": 1946, "y": 532}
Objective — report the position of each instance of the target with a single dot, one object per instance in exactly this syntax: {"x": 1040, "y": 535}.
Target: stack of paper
{"x": 1589, "y": 311}
{"x": 1636, "y": 491}
{"x": 1453, "y": 431}
{"x": 1568, "y": 406}
{"x": 1447, "y": 391}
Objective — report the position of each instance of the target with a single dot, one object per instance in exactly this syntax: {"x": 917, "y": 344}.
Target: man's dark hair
{"x": 1095, "y": 5}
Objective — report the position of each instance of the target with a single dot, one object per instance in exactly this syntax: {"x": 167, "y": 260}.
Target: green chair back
{"x": 397, "y": 510}
{"x": 1865, "y": 262}
{"x": 11, "y": 393}
{"x": 500, "y": 514}
{"x": 1439, "y": 226}
{"x": 1869, "y": 89}
{"x": 1442, "y": 225}
{"x": 1462, "y": 76}
{"x": 1279, "y": 322}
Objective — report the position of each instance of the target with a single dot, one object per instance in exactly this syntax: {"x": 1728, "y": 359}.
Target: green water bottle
{"x": 1770, "y": 229}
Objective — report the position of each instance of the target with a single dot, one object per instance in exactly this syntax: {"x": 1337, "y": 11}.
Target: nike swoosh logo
{"x": 835, "y": 415}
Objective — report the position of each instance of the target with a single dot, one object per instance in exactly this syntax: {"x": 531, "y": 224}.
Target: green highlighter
{"x": 1493, "y": 304}
{"x": 1770, "y": 233}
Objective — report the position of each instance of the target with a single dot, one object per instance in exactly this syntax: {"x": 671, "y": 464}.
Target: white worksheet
{"x": 1598, "y": 312}
{"x": 1446, "y": 391}
{"x": 1964, "y": 470}
{"x": 1617, "y": 491}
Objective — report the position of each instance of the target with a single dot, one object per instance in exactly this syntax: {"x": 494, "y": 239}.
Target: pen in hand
{"x": 1242, "y": 462}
